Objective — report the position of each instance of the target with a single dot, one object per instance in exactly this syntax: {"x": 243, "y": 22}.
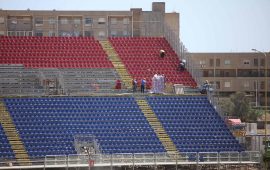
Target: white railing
{"x": 138, "y": 159}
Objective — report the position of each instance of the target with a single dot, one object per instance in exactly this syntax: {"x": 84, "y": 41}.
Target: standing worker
{"x": 143, "y": 83}
{"x": 134, "y": 85}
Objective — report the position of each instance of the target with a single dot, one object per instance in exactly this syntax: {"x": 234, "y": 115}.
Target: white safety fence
{"x": 139, "y": 159}
{"x": 247, "y": 157}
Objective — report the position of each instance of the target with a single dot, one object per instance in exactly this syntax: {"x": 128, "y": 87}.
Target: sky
{"x": 205, "y": 25}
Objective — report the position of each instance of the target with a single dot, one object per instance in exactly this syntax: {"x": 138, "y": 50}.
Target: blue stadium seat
{"x": 6, "y": 151}
{"x": 113, "y": 120}
{"x": 193, "y": 124}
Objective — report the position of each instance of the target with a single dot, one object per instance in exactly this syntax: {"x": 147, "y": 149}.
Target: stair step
{"x": 13, "y": 140}
{"x": 157, "y": 126}
{"x": 17, "y": 147}
{"x": 23, "y": 159}
{"x": 117, "y": 63}
{"x": 20, "y": 153}
{"x": 16, "y": 143}
{"x": 13, "y": 136}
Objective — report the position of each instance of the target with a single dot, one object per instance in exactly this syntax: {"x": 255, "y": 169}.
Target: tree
{"x": 227, "y": 106}
{"x": 241, "y": 105}
{"x": 238, "y": 105}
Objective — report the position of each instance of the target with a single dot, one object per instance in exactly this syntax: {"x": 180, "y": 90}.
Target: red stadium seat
{"x": 141, "y": 58}
{"x": 57, "y": 48}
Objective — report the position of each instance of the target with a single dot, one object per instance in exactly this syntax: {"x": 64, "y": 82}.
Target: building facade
{"x": 233, "y": 72}
{"x": 100, "y": 24}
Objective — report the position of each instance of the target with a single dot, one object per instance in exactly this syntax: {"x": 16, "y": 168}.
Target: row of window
{"x": 216, "y": 63}
{"x": 66, "y": 20}
{"x": 66, "y": 33}
{"x": 234, "y": 73}
{"x": 257, "y": 85}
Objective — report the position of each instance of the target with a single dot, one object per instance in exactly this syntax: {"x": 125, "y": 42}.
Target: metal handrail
{"x": 105, "y": 160}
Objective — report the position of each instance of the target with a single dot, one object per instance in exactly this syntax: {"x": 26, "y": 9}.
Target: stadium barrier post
{"x": 197, "y": 160}
{"x": 111, "y": 162}
{"x": 176, "y": 161}
{"x": 67, "y": 162}
{"x": 133, "y": 161}
{"x": 239, "y": 157}
{"x": 218, "y": 160}
{"x": 44, "y": 163}
{"x": 155, "y": 160}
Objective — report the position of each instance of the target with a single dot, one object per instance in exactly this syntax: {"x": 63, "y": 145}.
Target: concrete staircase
{"x": 13, "y": 136}
{"x": 157, "y": 126}
{"x": 117, "y": 63}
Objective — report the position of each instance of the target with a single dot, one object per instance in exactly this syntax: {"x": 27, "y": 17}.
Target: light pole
{"x": 266, "y": 88}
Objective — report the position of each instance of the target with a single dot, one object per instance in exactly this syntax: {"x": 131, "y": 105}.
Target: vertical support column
{"x": 133, "y": 161}
{"x": 111, "y": 162}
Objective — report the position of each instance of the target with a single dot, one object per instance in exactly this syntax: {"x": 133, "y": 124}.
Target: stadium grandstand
{"x": 68, "y": 101}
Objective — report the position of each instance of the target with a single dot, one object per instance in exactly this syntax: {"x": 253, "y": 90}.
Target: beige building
{"x": 232, "y": 72}
{"x": 100, "y": 24}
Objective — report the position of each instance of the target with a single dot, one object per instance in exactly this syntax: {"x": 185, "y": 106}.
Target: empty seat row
{"x": 6, "y": 151}
{"x": 57, "y": 54}
{"x": 132, "y": 130}
{"x": 206, "y": 133}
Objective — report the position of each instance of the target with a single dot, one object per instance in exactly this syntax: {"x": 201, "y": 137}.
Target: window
{"x": 202, "y": 63}
{"x": 39, "y": 33}
{"x": 246, "y": 62}
{"x": 205, "y": 73}
{"x": 2, "y": 33}
{"x": 26, "y": 20}
{"x": 217, "y": 84}
{"x": 218, "y": 73}
{"x": 227, "y": 73}
{"x": 227, "y": 84}
{"x": 217, "y": 62}
{"x": 113, "y": 33}
{"x": 227, "y": 62}
{"x": 211, "y": 73}
{"x": 88, "y": 33}
{"x": 13, "y": 20}
{"x": 29, "y": 33}
{"x": 39, "y": 21}
{"x": 113, "y": 21}
{"x": 262, "y": 62}
{"x": 255, "y": 62}
{"x": 2, "y": 20}
{"x": 19, "y": 33}
{"x": 246, "y": 84}
{"x": 211, "y": 62}
{"x": 11, "y": 33}
{"x": 126, "y": 21}
{"x": 101, "y": 21}
{"x": 64, "y": 21}
{"x": 101, "y": 34}
{"x": 262, "y": 85}
{"x": 51, "y": 34}
{"x": 88, "y": 21}
{"x": 77, "y": 21}
{"x": 51, "y": 21}
{"x": 125, "y": 33}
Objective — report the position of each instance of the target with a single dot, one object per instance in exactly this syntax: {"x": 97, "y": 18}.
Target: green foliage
{"x": 238, "y": 105}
